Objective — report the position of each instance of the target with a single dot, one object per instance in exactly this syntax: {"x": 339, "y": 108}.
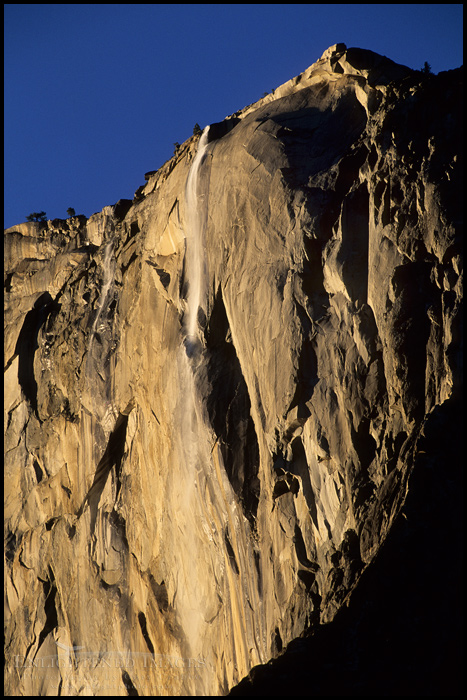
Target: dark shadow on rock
{"x": 402, "y": 634}
{"x": 229, "y": 410}
{"x": 27, "y": 344}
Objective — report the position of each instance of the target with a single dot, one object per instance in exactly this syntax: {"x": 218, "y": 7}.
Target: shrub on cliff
{"x": 37, "y": 216}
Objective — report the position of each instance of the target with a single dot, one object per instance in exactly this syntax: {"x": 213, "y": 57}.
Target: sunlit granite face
{"x": 214, "y": 394}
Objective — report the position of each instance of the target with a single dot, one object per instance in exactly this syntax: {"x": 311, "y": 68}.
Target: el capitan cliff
{"x": 221, "y": 395}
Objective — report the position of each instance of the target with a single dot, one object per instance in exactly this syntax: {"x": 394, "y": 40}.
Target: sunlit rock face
{"x": 215, "y": 394}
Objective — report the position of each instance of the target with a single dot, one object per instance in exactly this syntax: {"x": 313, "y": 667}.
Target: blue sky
{"x": 97, "y": 95}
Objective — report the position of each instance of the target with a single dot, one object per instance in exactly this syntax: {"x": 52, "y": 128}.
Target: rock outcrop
{"x": 218, "y": 395}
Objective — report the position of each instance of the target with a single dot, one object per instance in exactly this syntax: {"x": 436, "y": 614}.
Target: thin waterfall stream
{"x": 203, "y": 490}
{"x": 108, "y": 264}
{"x": 196, "y": 217}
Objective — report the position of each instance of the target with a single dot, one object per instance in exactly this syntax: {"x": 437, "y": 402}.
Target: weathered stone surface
{"x": 181, "y": 505}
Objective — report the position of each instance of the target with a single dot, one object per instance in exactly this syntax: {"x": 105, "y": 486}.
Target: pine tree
{"x": 37, "y": 216}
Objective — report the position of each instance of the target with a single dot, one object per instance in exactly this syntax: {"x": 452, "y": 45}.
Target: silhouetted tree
{"x": 197, "y": 130}
{"x": 70, "y": 211}
{"x": 37, "y": 216}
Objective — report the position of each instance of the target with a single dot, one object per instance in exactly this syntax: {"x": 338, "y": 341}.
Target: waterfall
{"x": 108, "y": 276}
{"x": 202, "y": 490}
{"x": 196, "y": 217}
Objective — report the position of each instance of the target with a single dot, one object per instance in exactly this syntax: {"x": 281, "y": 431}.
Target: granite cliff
{"x": 221, "y": 395}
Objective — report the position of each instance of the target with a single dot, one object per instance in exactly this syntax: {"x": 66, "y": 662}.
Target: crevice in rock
{"x": 7, "y": 284}
{"x": 51, "y": 619}
{"x": 230, "y": 552}
{"x": 307, "y": 378}
{"x": 348, "y": 175}
{"x": 27, "y": 344}
{"x": 128, "y": 683}
{"x": 167, "y": 610}
{"x": 300, "y": 550}
{"x": 229, "y": 410}
{"x": 312, "y": 275}
{"x": 118, "y": 523}
{"x": 38, "y": 471}
{"x": 386, "y": 206}
{"x": 364, "y": 443}
{"x": 353, "y": 252}
{"x": 10, "y": 546}
{"x": 164, "y": 276}
{"x": 134, "y": 228}
{"x": 121, "y": 209}
{"x": 144, "y": 631}
{"x": 71, "y": 531}
{"x": 112, "y": 456}
{"x": 349, "y": 168}
{"x": 299, "y": 467}
{"x": 160, "y": 593}
{"x": 393, "y": 450}
{"x": 259, "y": 575}
{"x": 308, "y": 578}
{"x": 286, "y": 481}
{"x": 50, "y": 523}
{"x": 280, "y": 488}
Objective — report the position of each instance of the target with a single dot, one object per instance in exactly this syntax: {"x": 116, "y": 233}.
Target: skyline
{"x": 97, "y": 95}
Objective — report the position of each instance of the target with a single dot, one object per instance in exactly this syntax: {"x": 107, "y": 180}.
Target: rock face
{"x": 217, "y": 394}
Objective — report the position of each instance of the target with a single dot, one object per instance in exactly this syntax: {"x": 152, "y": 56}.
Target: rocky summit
{"x": 233, "y": 402}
